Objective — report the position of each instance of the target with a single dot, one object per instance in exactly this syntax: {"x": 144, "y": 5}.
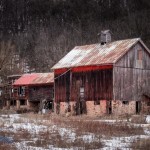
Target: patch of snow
{"x": 29, "y": 127}
{"x": 120, "y": 142}
{"x": 67, "y": 133}
{"x": 111, "y": 121}
{"x": 148, "y": 119}
{"x": 14, "y": 123}
{"x": 88, "y": 138}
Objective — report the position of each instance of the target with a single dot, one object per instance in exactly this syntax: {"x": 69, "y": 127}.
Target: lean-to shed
{"x": 32, "y": 89}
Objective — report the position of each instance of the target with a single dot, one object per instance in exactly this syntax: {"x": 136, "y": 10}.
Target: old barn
{"x": 30, "y": 90}
{"x": 104, "y": 78}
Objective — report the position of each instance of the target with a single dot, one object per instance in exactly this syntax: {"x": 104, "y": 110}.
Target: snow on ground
{"x": 148, "y": 119}
{"x": 121, "y": 142}
{"x": 14, "y": 123}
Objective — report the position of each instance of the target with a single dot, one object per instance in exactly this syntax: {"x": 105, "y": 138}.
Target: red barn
{"x": 104, "y": 78}
{"x": 32, "y": 89}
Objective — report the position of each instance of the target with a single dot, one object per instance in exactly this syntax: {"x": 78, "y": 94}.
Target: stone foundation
{"x": 96, "y": 110}
{"x": 8, "y": 104}
{"x": 18, "y": 104}
{"x": 64, "y": 107}
{"x": 101, "y": 108}
{"x": 145, "y": 107}
{"x": 118, "y": 108}
{"x": 92, "y": 109}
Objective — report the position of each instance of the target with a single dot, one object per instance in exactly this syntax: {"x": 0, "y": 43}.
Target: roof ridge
{"x": 109, "y": 42}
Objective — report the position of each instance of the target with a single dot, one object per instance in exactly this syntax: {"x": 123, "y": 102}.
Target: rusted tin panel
{"x": 96, "y": 54}
{"x": 35, "y": 78}
{"x": 44, "y": 78}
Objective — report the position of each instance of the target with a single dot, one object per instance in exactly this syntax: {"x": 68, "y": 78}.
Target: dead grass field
{"x": 68, "y": 132}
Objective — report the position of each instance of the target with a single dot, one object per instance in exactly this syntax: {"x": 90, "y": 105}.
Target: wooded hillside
{"x": 45, "y": 30}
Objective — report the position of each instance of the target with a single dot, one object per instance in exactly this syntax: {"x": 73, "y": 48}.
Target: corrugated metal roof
{"x": 35, "y": 78}
{"x": 96, "y": 54}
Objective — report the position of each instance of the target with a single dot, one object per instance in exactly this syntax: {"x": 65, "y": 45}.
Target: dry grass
{"x": 79, "y": 125}
{"x": 86, "y": 124}
{"x": 21, "y": 135}
{"x": 4, "y": 146}
{"x": 57, "y": 141}
{"x": 96, "y": 127}
{"x": 139, "y": 119}
{"x": 142, "y": 144}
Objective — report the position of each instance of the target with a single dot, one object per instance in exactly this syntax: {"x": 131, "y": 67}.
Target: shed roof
{"x": 35, "y": 79}
{"x": 96, "y": 54}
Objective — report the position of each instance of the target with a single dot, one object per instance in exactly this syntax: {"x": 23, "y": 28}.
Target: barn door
{"x": 138, "y": 107}
{"x": 81, "y": 103}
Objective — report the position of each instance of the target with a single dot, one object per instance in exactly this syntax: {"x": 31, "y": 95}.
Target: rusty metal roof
{"x": 35, "y": 79}
{"x": 96, "y": 54}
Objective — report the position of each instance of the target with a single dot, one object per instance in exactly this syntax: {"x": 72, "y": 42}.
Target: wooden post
{"x": 8, "y": 104}
{"x": 18, "y": 104}
{"x": 28, "y": 104}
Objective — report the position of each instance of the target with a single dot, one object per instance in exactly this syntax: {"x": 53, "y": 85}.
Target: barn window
{"x": 21, "y": 91}
{"x": 139, "y": 59}
{"x": 15, "y": 90}
{"x": 13, "y": 103}
{"x": 82, "y": 93}
{"x": 125, "y": 102}
{"x": 22, "y": 102}
{"x": 34, "y": 89}
{"x": 148, "y": 103}
{"x": 139, "y": 55}
{"x": 96, "y": 102}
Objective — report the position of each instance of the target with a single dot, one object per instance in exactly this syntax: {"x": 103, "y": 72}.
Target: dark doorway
{"x": 48, "y": 105}
{"x": 23, "y": 102}
{"x": 80, "y": 108}
{"x": 109, "y": 107}
{"x": 1, "y": 104}
{"x": 138, "y": 107}
{"x": 13, "y": 103}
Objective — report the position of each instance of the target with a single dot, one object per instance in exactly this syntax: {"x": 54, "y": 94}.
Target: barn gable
{"x": 132, "y": 74}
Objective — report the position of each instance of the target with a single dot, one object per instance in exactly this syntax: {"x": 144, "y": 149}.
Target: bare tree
{"x": 6, "y": 57}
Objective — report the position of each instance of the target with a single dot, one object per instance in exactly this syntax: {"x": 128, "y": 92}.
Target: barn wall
{"x": 131, "y": 76}
{"x": 145, "y": 105}
{"x": 119, "y": 108}
{"x": 91, "y": 108}
{"x": 97, "y": 86}
{"x": 96, "y": 110}
{"x": 38, "y": 93}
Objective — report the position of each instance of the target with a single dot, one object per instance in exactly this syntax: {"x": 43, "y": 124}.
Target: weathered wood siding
{"x": 38, "y": 93}
{"x": 98, "y": 85}
{"x": 131, "y": 76}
